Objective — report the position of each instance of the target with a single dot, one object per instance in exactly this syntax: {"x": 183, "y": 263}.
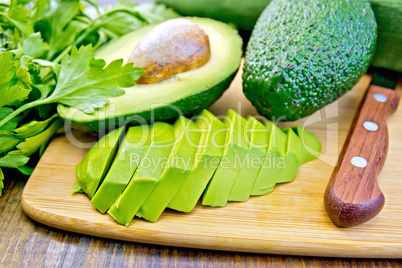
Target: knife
{"x": 353, "y": 196}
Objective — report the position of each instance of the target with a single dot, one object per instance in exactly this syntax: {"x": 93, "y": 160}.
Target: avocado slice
{"x": 292, "y": 158}
{"x": 94, "y": 166}
{"x": 236, "y": 147}
{"x": 186, "y": 93}
{"x": 311, "y": 145}
{"x": 257, "y": 150}
{"x": 179, "y": 165}
{"x": 131, "y": 151}
{"x": 146, "y": 176}
{"x": 209, "y": 155}
{"x": 274, "y": 161}
{"x": 306, "y": 54}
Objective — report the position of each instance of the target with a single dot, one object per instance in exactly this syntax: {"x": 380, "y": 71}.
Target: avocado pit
{"x": 175, "y": 46}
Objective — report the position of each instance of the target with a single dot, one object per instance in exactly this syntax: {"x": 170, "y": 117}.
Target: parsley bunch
{"x": 46, "y": 57}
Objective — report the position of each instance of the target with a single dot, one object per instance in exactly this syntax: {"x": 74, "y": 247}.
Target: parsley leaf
{"x": 6, "y": 65}
{"x": 10, "y": 125}
{"x": 8, "y": 142}
{"x": 33, "y": 47}
{"x": 85, "y": 84}
{"x": 32, "y": 144}
{"x": 19, "y": 16}
{"x": 25, "y": 170}
{"x": 12, "y": 79}
{"x": 33, "y": 127}
{"x": 56, "y": 23}
{"x": 41, "y": 66}
{"x": 155, "y": 13}
{"x": 12, "y": 94}
{"x": 13, "y": 159}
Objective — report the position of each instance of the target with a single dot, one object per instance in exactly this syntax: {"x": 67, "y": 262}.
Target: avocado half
{"x": 187, "y": 93}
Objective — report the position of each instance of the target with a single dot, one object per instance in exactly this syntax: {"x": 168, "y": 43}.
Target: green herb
{"x": 83, "y": 82}
{"x": 14, "y": 80}
{"x": 32, "y": 128}
{"x": 47, "y": 57}
{"x": 13, "y": 159}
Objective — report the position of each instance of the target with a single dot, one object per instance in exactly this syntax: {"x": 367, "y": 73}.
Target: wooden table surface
{"x": 26, "y": 243}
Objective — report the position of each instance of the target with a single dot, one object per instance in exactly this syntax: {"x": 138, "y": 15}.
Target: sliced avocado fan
{"x": 172, "y": 166}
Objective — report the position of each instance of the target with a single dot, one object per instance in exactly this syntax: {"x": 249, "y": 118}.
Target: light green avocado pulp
{"x": 146, "y": 176}
{"x": 94, "y": 166}
{"x": 208, "y": 157}
{"x": 226, "y": 53}
{"x": 311, "y": 145}
{"x": 236, "y": 147}
{"x": 179, "y": 165}
{"x": 251, "y": 165}
{"x": 274, "y": 161}
{"x": 129, "y": 155}
{"x": 293, "y": 156}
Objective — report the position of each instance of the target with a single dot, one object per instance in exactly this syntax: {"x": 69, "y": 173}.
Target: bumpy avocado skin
{"x": 191, "y": 105}
{"x": 303, "y": 55}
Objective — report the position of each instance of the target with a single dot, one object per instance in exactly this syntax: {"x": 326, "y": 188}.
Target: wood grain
{"x": 27, "y": 243}
{"x": 291, "y": 220}
{"x": 353, "y": 195}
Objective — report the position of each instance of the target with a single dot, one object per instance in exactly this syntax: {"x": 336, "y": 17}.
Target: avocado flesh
{"x": 292, "y": 158}
{"x": 236, "y": 147}
{"x": 179, "y": 165}
{"x": 131, "y": 151}
{"x": 146, "y": 176}
{"x": 258, "y": 141}
{"x": 311, "y": 145}
{"x": 209, "y": 154}
{"x": 92, "y": 169}
{"x": 273, "y": 163}
{"x": 306, "y": 54}
{"x": 189, "y": 92}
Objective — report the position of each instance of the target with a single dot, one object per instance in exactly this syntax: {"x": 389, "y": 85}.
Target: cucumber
{"x": 388, "y": 14}
{"x": 242, "y": 13}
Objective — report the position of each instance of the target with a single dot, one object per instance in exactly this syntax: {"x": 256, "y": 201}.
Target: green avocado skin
{"x": 242, "y": 13}
{"x": 303, "y": 55}
{"x": 189, "y": 106}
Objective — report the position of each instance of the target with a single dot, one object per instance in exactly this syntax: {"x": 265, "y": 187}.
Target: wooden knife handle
{"x": 353, "y": 195}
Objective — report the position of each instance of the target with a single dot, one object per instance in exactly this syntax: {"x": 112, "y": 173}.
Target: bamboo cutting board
{"x": 291, "y": 220}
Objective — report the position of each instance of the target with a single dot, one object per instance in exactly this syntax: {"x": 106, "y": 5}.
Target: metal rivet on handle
{"x": 370, "y": 126}
{"x": 358, "y": 161}
{"x": 380, "y": 97}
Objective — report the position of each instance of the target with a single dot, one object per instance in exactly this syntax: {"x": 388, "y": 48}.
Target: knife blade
{"x": 353, "y": 195}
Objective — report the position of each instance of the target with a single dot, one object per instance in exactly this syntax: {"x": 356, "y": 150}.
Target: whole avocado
{"x": 303, "y": 55}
